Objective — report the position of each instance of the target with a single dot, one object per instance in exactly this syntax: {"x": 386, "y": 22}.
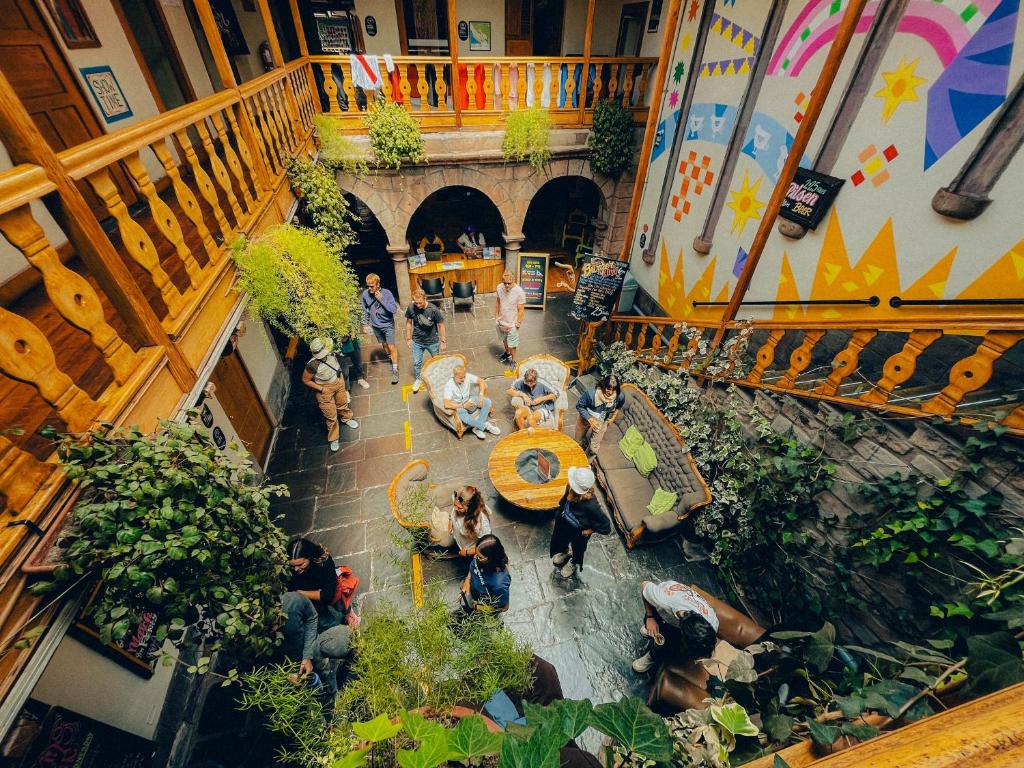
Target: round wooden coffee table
{"x": 519, "y": 491}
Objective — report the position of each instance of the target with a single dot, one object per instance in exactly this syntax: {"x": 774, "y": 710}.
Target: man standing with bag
{"x": 324, "y": 375}
{"x": 379, "y": 308}
{"x": 508, "y": 315}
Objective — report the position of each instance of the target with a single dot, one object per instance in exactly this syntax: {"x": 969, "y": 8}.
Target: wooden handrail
{"x": 21, "y": 185}
{"x": 963, "y": 321}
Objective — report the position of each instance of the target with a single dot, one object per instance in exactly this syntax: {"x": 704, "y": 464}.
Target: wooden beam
{"x": 299, "y": 31}
{"x": 829, "y": 71}
{"x": 216, "y": 43}
{"x": 453, "y": 52}
{"x": 26, "y": 144}
{"x": 671, "y": 22}
{"x": 268, "y": 25}
{"x": 584, "y": 76}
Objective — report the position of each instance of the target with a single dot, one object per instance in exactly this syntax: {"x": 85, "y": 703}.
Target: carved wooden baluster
{"x": 349, "y": 87}
{"x": 204, "y": 182}
{"x": 845, "y": 363}
{"x": 521, "y": 84}
{"x": 488, "y": 86}
{"x": 423, "y": 88}
{"x": 598, "y": 83}
{"x": 538, "y": 85}
{"x": 72, "y": 295}
{"x": 692, "y": 348}
{"x": 506, "y": 85}
{"x": 656, "y": 341}
{"x": 628, "y": 341}
{"x": 471, "y": 88}
{"x": 186, "y": 200}
{"x": 613, "y": 81}
{"x": 26, "y": 355}
{"x": 220, "y": 173}
{"x": 278, "y": 118}
{"x": 645, "y": 72}
{"x": 570, "y": 85}
{"x": 627, "y": 87}
{"x": 404, "y": 86}
{"x": 972, "y": 373}
{"x": 901, "y": 366}
{"x": 262, "y": 136}
{"x": 441, "y": 88}
{"x": 233, "y": 164}
{"x": 135, "y": 239}
{"x": 22, "y": 475}
{"x": 800, "y": 359}
{"x": 765, "y": 356}
{"x": 673, "y": 344}
{"x": 164, "y": 218}
{"x": 245, "y": 152}
{"x": 386, "y": 88}
{"x": 280, "y": 96}
{"x": 279, "y": 148}
{"x": 330, "y": 90}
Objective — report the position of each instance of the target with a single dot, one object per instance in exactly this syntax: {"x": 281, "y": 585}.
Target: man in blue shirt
{"x": 379, "y": 308}
{"x": 537, "y": 398}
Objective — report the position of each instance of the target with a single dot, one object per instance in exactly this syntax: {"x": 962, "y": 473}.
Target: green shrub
{"x": 394, "y": 136}
{"x": 337, "y": 151}
{"x": 323, "y": 202}
{"x": 528, "y": 136}
{"x": 611, "y": 139}
{"x": 296, "y": 282}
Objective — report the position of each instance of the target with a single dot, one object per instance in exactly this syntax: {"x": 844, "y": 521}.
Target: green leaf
{"x": 1014, "y": 617}
{"x": 472, "y": 739}
{"x": 859, "y": 731}
{"x": 433, "y": 751}
{"x": 734, "y": 719}
{"x": 791, "y": 635}
{"x": 993, "y": 662}
{"x": 821, "y": 647}
{"x": 778, "y": 762}
{"x": 355, "y": 759}
{"x": 635, "y": 727}
{"x": 539, "y": 751}
{"x": 778, "y": 727}
{"x": 888, "y": 696}
{"x": 572, "y": 716}
{"x": 379, "y": 729}
{"x": 417, "y": 726}
{"x": 823, "y": 735}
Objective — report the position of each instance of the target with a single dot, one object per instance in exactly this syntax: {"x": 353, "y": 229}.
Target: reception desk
{"x": 485, "y": 272}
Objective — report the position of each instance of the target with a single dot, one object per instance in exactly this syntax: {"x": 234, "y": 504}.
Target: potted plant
{"x": 297, "y": 283}
{"x": 395, "y": 137}
{"x": 611, "y": 138}
{"x": 528, "y": 137}
{"x": 323, "y": 202}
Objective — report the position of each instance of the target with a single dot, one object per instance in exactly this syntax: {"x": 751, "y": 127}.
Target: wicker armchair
{"x": 552, "y": 372}
{"x": 435, "y": 374}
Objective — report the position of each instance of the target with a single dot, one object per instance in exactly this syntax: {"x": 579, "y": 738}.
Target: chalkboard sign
{"x": 597, "y": 288}
{"x": 809, "y": 197}
{"x": 533, "y": 277}
{"x": 137, "y": 651}
{"x": 70, "y": 739}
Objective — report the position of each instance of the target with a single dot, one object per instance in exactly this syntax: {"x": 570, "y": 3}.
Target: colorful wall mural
{"x": 941, "y": 77}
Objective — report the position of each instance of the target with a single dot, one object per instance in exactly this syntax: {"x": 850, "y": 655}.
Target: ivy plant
{"x": 395, "y": 138}
{"x": 337, "y": 151}
{"x": 528, "y": 137}
{"x": 323, "y": 203}
{"x": 172, "y": 525}
{"x": 296, "y": 282}
{"x": 611, "y": 138}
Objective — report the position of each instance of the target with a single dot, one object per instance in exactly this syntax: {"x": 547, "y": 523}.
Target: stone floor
{"x": 587, "y": 627}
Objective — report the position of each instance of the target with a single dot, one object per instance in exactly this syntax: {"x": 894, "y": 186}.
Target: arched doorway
{"x": 370, "y": 253}
{"x": 448, "y": 211}
{"x": 561, "y": 210}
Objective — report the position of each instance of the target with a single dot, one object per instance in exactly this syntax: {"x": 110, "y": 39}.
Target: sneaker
{"x": 479, "y": 433}
{"x": 493, "y": 428}
{"x": 363, "y": 383}
{"x": 643, "y": 664}
{"x": 394, "y": 375}
{"x": 568, "y": 570}
{"x": 335, "y": 445}
{"x": 503, "y": 356}
{"x": 560, "y": 559}
{"x": 352, "y": 424}
{"x": 416, "y": 385}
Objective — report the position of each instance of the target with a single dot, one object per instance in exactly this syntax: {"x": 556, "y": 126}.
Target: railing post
{"x": 300, "y": 34}
{"x": 26, "y": 144}
{"x": 584, "y": 76}
{"x": 453, "y": 52}
{"x": 213, "y": 39}
{"x": 276, "y": 55}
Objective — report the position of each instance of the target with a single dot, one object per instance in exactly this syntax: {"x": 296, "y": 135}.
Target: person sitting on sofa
{"x": 465, "y": 521}
{"x": 486, "y": 587}
{"x": 681, "y": 625}
{"x": 539, "y": 401}
{"x": 598, "y": 408}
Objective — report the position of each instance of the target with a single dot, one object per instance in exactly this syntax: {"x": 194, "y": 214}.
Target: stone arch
{"x": 489, "y": 215}
{"x": 550, "y": 206}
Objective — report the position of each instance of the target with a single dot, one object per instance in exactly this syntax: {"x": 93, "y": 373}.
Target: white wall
{"x": 80, "y": 679}
{"x": 606, "y": 28}
{"x": 387, "y": 38}
{"x": 185, "y": 41}
{"x": 257, "y": 351}
{"x": 251, "y": 22}
{"x": 482, "y": 10}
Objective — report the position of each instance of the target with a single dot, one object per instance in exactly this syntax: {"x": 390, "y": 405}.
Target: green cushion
{"x": 630, "y": 442}
{"x": 661, "y": 501}
{"x": 645, "y": 459}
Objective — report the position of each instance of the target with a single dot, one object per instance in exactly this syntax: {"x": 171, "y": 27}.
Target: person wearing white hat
{"x": 579, "y": 516}
{"x": 324, "y": 375}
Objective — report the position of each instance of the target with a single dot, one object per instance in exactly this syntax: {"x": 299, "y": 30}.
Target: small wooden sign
{"x": 597, "y": 288}
{"x": 809, "y": 197}
{"x": 533, "y": 277}
{"x": 107, "y": 93}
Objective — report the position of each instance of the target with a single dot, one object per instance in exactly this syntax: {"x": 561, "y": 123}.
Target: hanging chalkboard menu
{"x": 809, "y": 197}
{"x": 598, "y": 286}
{"x": 70, "y": 739}
{"x": 139, "y": 648}
{"x": 533, "y": 278}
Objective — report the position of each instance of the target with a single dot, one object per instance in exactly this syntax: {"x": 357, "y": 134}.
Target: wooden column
{"x": 26, "y": 144}
{"x": 584, "y": 78}
{"x": 268, "y": 25}
{"x": 213, "y": 38}
{"x": 664, "y": 60}
{"x": 453, "y": 52}
{"x": 300, "y": 33}
{"x": 829, "y": 70}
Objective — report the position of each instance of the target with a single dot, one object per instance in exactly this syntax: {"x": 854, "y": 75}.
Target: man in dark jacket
{"x": 579, "y": 516}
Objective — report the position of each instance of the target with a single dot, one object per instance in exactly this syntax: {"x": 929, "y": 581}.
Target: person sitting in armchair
{"x": 680, "y": 624}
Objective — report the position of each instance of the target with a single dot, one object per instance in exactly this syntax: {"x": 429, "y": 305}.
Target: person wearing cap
{"x": 321, "y": 652}
{"x": 325, "y": 376}
{"x": 579, "y": 516}
{"x": 472, "y": 241}
{"x": 681, "y": 625}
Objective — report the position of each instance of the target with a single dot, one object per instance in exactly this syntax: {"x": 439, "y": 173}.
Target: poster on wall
{"x": 479, "y": 35}
{"x": 597, "y": 289}
{"x": 655, "y": 18}
{"x": 334, "y": 34}
{"x": 809, "y": 197}
{"x": 107, "y": 93}
{"x": 70, "y": 739}
{"x": 533, "y": 278}
{"x": 230, "y": 29}
{"x": 137, "y": 651}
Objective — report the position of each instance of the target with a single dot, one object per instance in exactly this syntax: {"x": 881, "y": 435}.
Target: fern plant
{"x": 337, "y": 151}
{"x": 323, "y": 203}
{"x": 611, "y": 139}
{"x": 395, "y": 137}
{"x": 297, "y": 283}
{"x": 528, "y": 136}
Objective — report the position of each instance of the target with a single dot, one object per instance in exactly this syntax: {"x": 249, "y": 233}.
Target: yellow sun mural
{"x": 900, "y": 86}
{"x": 676, "y": 300}
{"x": 745, "y": 204}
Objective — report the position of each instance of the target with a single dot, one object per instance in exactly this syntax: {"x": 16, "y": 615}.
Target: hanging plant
{"x": 337, "y": 151}
{"x": 297, "y": 283}
{"x": 173, "y": 526}
{"x": 395, "y": 137}
{"x": 528, "y": 136}
{"x": 323, "y": 203}
{"x": 611, "y": 139}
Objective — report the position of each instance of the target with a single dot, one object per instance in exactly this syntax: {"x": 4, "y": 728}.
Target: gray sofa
{"x": 629, "y": 492}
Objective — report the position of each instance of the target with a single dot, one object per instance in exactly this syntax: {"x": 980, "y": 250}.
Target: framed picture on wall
{"x": 107, "y": 93}
{"x": 479, "y": 35}
{"x": 72, "y": 23}
{"x": 230, "y": 30}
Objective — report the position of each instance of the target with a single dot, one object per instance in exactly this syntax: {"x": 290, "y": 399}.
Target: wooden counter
{"x": 486, "y": 272}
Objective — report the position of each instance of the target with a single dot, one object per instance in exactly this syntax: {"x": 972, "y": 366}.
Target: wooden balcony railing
{"x": 967, "y": 368}
{"x": 488, "y": 88}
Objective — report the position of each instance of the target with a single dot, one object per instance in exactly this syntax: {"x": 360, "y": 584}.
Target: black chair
{"x": 464, "y": 291}
{"x": 434, "y": 288}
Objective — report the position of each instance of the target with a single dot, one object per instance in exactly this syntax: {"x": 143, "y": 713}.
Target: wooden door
{"x": 518, "y": 27}
{"x": 238, "y": 397}
{"x": 35, "y": 66}
{"x": 146, "y": 29}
